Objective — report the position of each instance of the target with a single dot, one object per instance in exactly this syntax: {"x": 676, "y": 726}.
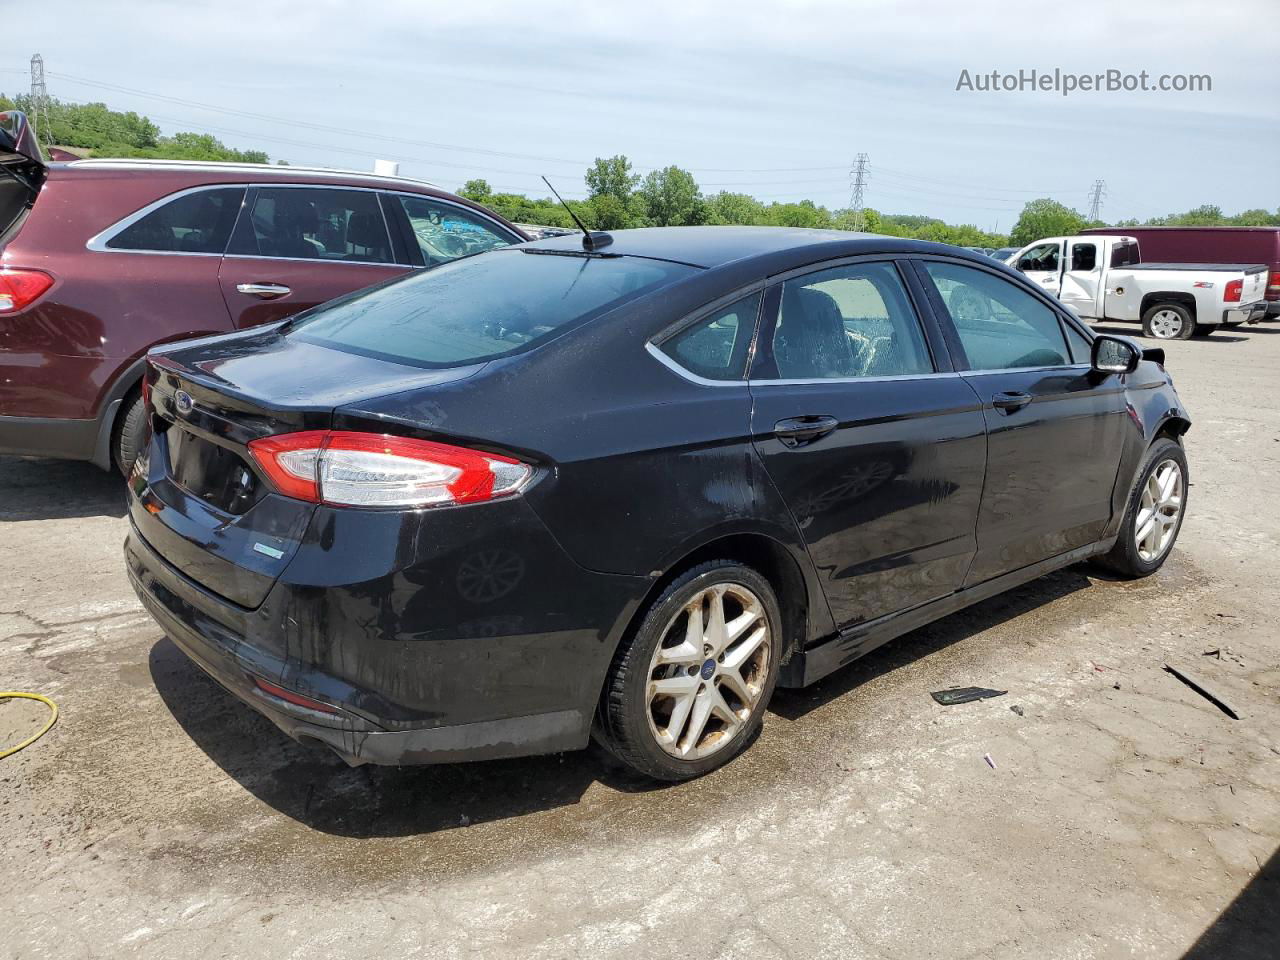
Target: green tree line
{"x": 617, "y": 195}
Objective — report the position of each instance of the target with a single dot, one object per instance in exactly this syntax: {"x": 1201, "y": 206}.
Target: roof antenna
{"x": 590, "y": 241}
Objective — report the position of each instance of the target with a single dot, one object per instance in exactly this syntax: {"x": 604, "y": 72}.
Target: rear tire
{"x": 126, "y": 442}
{"x": 683, "y": 697}
{"x": 1139, "y": 556}
{"x": 1168, "y": 321}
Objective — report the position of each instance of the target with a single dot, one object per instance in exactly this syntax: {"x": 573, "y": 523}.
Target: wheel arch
{"x": 1172, "y": 296}
{"x": 124, "y": 384}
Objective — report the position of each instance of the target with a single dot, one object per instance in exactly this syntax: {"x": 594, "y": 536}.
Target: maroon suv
{"x": 102, "y": 259}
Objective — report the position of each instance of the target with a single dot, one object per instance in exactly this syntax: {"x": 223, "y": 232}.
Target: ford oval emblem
{"x": 182, "y": 402}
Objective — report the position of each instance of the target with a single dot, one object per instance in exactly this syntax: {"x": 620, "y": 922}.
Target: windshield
{"x": 483, "y": 307}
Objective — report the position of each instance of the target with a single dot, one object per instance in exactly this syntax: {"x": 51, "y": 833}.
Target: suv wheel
{"x": 126, "y": 441}
{"x": 687, "y": 692}
{"x": 1157, "y": 504}
{"x": 1168, "y": 321}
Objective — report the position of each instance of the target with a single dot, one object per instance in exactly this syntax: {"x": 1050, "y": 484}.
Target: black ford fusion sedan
{"x": 624, "y": 488}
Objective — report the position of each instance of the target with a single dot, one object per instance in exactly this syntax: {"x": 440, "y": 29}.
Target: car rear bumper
{"x": 520, "y": 686}
{"x": 1245, "y": 313}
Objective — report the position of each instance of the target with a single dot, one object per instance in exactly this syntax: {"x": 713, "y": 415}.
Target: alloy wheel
{"x": 709, "y": 671}
{"x": 1158, "y": 511}
{"x": 1166, "y": 324}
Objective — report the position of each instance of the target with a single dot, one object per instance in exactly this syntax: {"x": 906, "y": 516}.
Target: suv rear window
{"x": 483, "y": 307}
{"x": 197, "y": 222}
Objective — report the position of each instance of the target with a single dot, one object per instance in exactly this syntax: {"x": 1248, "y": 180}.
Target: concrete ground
{"x": 1125, "y": 815}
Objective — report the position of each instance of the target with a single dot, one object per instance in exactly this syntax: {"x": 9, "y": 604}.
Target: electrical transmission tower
{"x": 39, "y": 100}
{"x": 1096, "y": 193}
{"x": 859, "y": 174}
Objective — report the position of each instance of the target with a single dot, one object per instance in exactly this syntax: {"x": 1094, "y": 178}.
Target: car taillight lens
{"x": 21, "y": 288}
{"x": 1234, "y": 289}
{"x": 378, "y": 470}
{"x": 1275, "y": 281}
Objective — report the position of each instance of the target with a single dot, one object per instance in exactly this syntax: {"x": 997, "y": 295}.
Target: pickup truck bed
{"x": 1242, "y": 267}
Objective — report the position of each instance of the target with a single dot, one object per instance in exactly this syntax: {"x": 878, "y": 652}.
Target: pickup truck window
{"x": 1084, "y": 256}
{"x": 1001, "y": 327}
{"x": 1125, "y": 254}
{"x": 1043, "y": 256}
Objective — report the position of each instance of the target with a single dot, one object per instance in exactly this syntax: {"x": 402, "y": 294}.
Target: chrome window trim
{"x": 662, "y": 358}
{"x": 98, "y": 242}
{"x": 996, "y": 371}
{"x": 895, "y": 378}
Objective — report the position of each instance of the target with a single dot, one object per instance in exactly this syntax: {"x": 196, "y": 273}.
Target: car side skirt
{"x": 811, "y": 665}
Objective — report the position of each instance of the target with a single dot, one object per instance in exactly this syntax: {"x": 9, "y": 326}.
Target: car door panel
{"x": 1082, "y": 280}
{"x": 1054, "y": 427}
{"x": 882, "y": 473}
{"x": 296, "y": 246}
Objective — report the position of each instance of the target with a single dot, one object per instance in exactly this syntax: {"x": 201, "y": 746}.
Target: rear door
{"x": 1054, "y": 428}
{"x": 1042, "y": 264}
{"x": 1082, "y": 280}
{"x": 296, "y": 246}
{"x": 877, "y": 447}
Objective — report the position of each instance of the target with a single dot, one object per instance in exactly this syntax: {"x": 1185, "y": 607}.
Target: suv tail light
{"x": 21, "y": 288}
{"x": 378, "y": 470}
{"x": 1234, "y": 289}
{"x": 1275, "y": 281}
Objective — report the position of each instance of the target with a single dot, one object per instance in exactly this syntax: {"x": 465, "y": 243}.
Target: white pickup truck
{"x": 1103, "y": 278}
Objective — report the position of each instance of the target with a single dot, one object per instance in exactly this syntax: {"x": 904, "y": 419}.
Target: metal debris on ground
{"x": 1204, "y": 691}
{"x": 954, "y": 695}
{"x": 990, "y": 763}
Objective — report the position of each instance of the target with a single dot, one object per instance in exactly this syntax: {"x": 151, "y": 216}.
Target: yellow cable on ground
{"x": 53, "y": 718}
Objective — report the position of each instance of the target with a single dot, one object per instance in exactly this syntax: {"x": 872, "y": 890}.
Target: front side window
{"x": 715, "y": 348}
{"x": 314, "y": 223}
{"x": 1043, "y": 256}
{"x": 1001, "y": 326}
{"x": 848, "y": 321}
{"x": 445, "y": 232}
{"x": 197, "y": 222}
{"x": 481, "y": 308}
{"x": 1084, "y": 256}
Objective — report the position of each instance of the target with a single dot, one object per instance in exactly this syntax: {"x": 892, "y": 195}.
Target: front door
{"x": 1082, "y": 280}
{"x": 1054, "y": 427}
{"x": 1042, "y": 264}
{"x": 879, "y": 453}
{"x": 297, "y": 246}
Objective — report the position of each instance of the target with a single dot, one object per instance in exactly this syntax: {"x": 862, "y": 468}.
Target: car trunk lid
{"x": 22, "y": 170}
{"x": 201, "y": 501}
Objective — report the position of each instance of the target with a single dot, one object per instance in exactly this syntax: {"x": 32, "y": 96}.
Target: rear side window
{"x": 715, "y": 348}
{"x": 483, "y": 307}
{"x": 198, "y": 222}
{"x": 1084, "y": 256}
{"x": 1001, "y": 326}
{"x": 314, "y": 223}
{"x": 446, "y": 232}
{"x": 1124, "y": 254}
{"x": 848, "y": 321}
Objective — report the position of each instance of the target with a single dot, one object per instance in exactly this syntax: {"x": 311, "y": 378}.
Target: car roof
{"x": 263, "y": 171}
{"x": 715, "y": 246}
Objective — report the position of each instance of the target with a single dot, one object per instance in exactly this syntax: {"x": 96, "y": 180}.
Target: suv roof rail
{"x": 267, "y": 168}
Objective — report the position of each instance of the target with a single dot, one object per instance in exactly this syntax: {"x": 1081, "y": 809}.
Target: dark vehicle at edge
{"x": 548, "y": 492}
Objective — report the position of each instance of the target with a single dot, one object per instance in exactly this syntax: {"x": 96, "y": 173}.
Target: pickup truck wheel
{"x": 687, "y": 692}
{"x": 1168, "y": 321}
{"x": 1157, "y": 504}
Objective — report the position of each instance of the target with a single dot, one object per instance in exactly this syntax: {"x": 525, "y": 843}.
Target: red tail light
{"x": 21, "y": 288}
{"x": 1275, "y": 281}
{"x": 1234, "y": 289}
{"x": 377, "y": 470}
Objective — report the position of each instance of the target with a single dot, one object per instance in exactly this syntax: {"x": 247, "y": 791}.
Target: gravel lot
{"x": 1125, "y": 817}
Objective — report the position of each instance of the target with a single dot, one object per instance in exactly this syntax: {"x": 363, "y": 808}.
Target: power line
{"x": 860, "y": 174}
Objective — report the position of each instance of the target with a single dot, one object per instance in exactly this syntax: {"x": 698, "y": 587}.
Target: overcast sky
{"x": 769, "y": 99}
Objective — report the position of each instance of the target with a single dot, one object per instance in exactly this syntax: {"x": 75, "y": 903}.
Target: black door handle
{"x": 1008, "y": 403}
{"x": 797, "y": 431}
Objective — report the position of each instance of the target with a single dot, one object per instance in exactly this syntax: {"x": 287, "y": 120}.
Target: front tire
{"x": 687, "y": 692}
{"x": 1168, "y": 321}
{"x": 1154, "y": 513}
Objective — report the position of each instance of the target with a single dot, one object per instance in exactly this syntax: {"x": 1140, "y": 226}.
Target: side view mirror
{"x": 1112, "y": 354}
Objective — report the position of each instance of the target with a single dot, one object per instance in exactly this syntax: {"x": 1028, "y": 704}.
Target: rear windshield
{"x": 483, "y": 307}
